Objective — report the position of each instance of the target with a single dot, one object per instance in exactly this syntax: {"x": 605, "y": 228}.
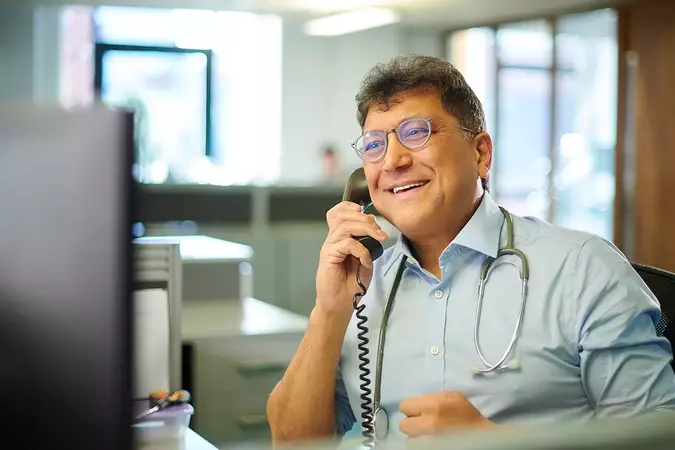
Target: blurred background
{"x": 245, "y": 113}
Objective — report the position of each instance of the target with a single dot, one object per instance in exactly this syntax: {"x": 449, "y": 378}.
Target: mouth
{"x": 407, "y": 187}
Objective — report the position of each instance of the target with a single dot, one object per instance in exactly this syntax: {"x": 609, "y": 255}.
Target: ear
{"x": 483, "y": 148}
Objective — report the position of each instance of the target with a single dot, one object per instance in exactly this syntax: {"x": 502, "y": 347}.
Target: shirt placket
{"x": 435, "y": 335}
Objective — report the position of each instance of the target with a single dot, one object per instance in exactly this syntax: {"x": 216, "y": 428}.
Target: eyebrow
{"x": 409, "y": 116}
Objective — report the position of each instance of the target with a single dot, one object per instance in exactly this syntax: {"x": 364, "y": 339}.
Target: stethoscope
{"x": 381, "y": 419}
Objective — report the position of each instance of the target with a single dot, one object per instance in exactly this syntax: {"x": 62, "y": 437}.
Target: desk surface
{"x": 195, "y": 249}
{"x": 193, "y": 441}
{"x": 205, "y": 319}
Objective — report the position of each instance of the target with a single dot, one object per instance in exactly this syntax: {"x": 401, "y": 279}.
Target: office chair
{"x": 662, "y": 284}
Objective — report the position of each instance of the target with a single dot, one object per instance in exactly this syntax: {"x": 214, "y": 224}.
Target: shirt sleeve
{"x": 344, "y": 416}
{"x": 625, "y": 366}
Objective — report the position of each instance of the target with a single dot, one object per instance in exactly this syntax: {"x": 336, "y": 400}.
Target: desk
{"x": 235, "y": 351}
{"x": 212, "y": 268}
{"x": 218, "y": 319}
{"x": 193, "y": 441}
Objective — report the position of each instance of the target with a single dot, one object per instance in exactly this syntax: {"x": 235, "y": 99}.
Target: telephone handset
{"x": 356, "y": 191}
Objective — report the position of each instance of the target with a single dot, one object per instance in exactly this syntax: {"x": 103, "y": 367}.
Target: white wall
{"x": 303, "y": 101}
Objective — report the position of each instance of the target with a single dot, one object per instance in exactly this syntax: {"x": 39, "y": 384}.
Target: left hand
{"x": 436, "y": 413}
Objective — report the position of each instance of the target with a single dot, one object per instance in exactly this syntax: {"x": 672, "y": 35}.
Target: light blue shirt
{"x": 587, "y": 348}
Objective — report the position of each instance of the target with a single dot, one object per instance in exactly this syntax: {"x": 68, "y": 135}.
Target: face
{"x": 445, "y": 172}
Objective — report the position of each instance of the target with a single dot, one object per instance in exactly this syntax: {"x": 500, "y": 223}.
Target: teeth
{"x": 398, "y": 189}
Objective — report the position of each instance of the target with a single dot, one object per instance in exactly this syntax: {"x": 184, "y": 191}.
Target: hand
{"x": 340, "y": 255}
{"x": 440, "y": 412}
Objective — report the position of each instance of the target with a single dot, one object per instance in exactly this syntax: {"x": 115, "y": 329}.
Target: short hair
{"x": 410, "y": 72}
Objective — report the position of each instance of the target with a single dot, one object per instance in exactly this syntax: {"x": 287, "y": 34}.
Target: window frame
{"x": 554, "y": 69}
{"x": 101, "y": 48}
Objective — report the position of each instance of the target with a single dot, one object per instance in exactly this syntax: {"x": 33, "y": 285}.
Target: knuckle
{"x": 451, "y": 397}
{"x": 331, "y": 212}
{"x": 436, "y": 423}
{"x": 356, "y": 248}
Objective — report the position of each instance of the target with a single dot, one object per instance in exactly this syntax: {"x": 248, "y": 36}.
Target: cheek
{"x": 372, "y": 175}
{"x": 453, "y": 166}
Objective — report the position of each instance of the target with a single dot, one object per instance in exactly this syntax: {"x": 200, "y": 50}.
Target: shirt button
{"x": 438, "y": 293}
{"x": 434, "y": 350}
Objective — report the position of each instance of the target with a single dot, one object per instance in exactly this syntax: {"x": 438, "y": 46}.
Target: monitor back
{"x": 65, "y": 254}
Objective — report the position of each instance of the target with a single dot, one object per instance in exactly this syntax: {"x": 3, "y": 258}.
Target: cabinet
{"x": 240, "y": 350}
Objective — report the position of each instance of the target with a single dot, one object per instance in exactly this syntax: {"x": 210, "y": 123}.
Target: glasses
{"x": 412, "y": 134}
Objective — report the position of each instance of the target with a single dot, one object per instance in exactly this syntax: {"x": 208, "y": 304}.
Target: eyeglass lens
{"x": 412, "y": 133}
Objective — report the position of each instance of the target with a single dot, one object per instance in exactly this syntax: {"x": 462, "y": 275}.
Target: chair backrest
{"x": 662, "y": 284}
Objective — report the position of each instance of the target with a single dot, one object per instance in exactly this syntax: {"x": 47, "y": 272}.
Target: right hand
{"x": 340, "y": 256}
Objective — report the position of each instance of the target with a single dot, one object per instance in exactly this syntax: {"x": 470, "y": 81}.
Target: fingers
{"x": 433, "y": 403}
{"x": 346, "y": 211}
{"x": 415, "y": 406}
{"x": 436, "y": 412}
{"x": 351, "y": 229}
{"x": 346, "y": 247}
{"x": 416, "y": 426}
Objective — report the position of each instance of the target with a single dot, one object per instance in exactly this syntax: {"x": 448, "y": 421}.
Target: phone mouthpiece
{"x": 373, "y": 246}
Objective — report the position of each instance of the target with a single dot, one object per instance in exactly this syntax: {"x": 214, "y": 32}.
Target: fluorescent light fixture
{"x": 335, "y": 6}
{"x": 351, "y": 22}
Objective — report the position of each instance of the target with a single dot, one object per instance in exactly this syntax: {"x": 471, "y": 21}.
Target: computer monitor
{"x": 65, "y": 270}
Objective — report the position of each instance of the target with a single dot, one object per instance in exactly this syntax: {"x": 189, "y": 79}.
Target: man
{"x": 587, "y": 345}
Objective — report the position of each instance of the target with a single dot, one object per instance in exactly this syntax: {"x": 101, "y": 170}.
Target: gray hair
{"x": 411, "y": 72}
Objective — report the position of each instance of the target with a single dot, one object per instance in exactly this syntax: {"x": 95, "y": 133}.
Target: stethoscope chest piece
{"x": 381, "y": 424}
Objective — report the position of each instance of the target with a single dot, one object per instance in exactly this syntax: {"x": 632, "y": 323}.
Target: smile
{"x": 407, "y": 187}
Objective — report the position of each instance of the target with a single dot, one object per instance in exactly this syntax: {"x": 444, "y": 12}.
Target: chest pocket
{"x": 498, "y": 318}
{"x": 542, "y": 377}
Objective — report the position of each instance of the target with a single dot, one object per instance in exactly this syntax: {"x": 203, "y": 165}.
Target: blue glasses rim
{"x": 387, "y": 132}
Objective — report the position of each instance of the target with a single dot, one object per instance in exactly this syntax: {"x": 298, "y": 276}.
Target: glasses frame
{"x": 386, "y": 134}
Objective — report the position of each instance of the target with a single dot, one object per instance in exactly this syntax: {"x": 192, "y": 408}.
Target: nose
{"x": 397, "y": 156}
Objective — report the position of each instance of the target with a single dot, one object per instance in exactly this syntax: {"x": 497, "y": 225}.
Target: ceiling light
{"x": 335, "y": 6}
{"x": 351, "y": 22}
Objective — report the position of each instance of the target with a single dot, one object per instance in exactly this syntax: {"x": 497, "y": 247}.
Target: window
{"x": 168, "y": 89}
{"x": 548, "y": 88}
{"x": 196, "y": 77}
{"x": 586, "y": 128}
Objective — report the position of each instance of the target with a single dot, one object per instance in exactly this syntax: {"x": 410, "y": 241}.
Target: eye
{"x": 416, "y": 132}
{"x": 372, "y": 146}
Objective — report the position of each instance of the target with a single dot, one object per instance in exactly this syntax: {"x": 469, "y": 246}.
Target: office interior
{"x": 243, "y": 117}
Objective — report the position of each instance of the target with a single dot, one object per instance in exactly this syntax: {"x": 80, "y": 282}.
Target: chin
{"x": 408, "y": 222}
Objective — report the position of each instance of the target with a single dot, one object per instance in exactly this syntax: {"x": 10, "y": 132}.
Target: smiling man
{"x": 583, "y": 345}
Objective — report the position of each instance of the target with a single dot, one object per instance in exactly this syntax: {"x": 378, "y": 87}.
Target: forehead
{"x": 403, "y": 106}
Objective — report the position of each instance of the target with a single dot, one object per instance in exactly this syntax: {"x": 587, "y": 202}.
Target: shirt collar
{"x": 481, "y": 233}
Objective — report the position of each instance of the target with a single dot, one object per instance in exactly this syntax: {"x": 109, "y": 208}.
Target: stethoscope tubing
{"x": 488, "y": 266}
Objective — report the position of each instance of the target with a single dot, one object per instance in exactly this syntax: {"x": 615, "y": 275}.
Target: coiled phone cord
{"x": 366, "y": 401}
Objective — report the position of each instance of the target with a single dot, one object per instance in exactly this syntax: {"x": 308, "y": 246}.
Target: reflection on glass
{"x": 521, "y": 155}
{"x": 168, "y": 93}
{"x": 586, "y": 122}
{"x": 525, "y": 44}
